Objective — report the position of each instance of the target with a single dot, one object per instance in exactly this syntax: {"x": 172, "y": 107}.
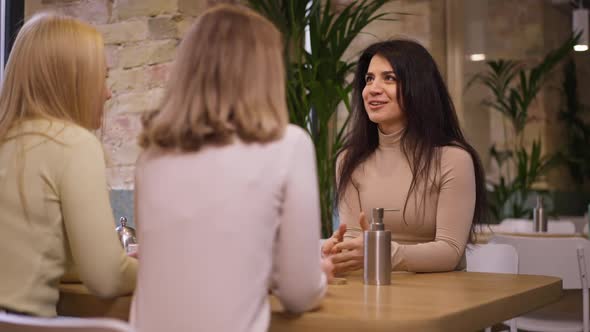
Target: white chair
{"x": 579, "y": 221}
{"x": 19, "y": 323}
{"x": 561, "y": 227}
{"x": 526, "y": 226}
{"x": 565, "y": 258}
{"x": 493, "y": 258}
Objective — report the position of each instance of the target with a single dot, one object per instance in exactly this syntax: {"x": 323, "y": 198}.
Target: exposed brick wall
{"x": 141, "y": 37}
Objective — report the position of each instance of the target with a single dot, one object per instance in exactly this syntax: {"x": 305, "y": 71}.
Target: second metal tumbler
{"x": 539, "y": 216}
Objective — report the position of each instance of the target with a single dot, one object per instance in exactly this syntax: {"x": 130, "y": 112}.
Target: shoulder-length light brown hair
{"x": 228, "y": 78}
{"x": 56, "y": 70}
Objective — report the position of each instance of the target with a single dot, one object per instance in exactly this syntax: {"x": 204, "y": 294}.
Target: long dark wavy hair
{"x": 431, "y": 121}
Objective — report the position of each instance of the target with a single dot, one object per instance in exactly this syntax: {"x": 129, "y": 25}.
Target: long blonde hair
{"x": 228, "y": 78}
{"x": 56, "y": 70}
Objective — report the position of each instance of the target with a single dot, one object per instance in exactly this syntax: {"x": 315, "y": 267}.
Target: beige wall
{"x": 421, "y": 20}
{"x": 514, "y": 30}
{"x": 523, "y": 30}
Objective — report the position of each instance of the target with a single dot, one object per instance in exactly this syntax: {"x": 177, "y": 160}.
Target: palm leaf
{"x": 317, "y": 79}
{"x": 513, "y": 88}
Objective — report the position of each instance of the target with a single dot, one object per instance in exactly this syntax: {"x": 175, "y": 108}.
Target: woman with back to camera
{"x": 54, "y": 203}
{"x": 406, "y": 151}
{"x": 227, "y": 197}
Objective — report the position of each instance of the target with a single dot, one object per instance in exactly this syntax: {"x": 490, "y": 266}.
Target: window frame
{"x": 12, "y": 15}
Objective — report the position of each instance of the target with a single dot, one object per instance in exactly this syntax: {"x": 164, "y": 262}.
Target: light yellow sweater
{"x": 432, "y": 239}
{"x": 68, "y": 219}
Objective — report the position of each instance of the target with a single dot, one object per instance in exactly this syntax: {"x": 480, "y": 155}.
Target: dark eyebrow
{"x": 382, "y": 73}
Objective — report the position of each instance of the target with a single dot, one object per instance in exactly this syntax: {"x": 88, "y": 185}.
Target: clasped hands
{"x": 346, "y": 254}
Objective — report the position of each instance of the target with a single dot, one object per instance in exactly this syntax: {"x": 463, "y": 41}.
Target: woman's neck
{"x": 391, "y": 128}
{"x": 390, "y": 140}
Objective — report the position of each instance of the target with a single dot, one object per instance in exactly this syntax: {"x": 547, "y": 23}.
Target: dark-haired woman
{"x": 406, "y": 150}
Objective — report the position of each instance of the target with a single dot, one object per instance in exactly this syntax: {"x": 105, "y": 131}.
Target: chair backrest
{"x": 549, "y": 256}
{"x": 526, "y": 226}
{"x": 578, "y": 221}
{"x": 516, "y": 225}
{"x": 492, "y": 257}
{"x": 18, "y": 323}
{"x": 561, "y": 227}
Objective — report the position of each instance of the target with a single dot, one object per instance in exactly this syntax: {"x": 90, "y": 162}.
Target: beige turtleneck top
{"x": 433, "y": 236}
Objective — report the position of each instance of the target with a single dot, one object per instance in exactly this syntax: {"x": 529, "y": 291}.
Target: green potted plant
{"x": 513, "y": 89}
{"x": 316, "y": 79}
{"x": 575, "y": 153}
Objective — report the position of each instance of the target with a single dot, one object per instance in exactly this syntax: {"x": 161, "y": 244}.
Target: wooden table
{"x": 76, "y": 300}
{"x": 484, "y": 237}
{"x": 453, "y": 301}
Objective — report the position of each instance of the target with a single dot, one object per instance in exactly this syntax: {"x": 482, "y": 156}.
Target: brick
{"x": 128, "y": 151}
{"x": 125, "y": 9}
{"x": 140, "y": 78}
{"x": 183, "y": 25}
{"x": 56, "y": 1}
{"x": 123, "y": 32}
{"x": 32, "y": 6}
{"x": 120, "y": 138}
{"x": 121, "y": 177}
{"x": 163, "y": 27}
{"x": 136, "y": 102}
{"x": 147, "y": 53}
{"x": 211, "y": 3}
{"x": 123, "y": 80}
{"x": 112, "y": 55}
{"x": 157, "y": 75}
{"x": 109, "y": 105}
{"x": 91, "y": 11}
{"x": 192, "y": 7}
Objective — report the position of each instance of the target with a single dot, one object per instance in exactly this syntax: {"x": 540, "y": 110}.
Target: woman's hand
{"x": 328, "y": 268}
{"x": 336, "y": 238}
{"x": 133, "y": 250}
{"x": 349, "y": 255}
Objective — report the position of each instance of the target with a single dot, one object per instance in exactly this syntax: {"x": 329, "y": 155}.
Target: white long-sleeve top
{"x": 220, "y": 227}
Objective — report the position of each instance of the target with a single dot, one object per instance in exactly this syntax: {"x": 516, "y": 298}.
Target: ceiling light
{"x": 477, "y": 57}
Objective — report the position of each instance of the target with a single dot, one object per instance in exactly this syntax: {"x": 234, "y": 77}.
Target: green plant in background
{"x": 316, "y": 80}
{"x": 576, "y": 153}
{"x": 514, "y": 88}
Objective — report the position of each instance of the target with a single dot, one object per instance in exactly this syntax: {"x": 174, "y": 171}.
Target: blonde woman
{"x": 227, "y": 198}
{"x": 54, "y": 203}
